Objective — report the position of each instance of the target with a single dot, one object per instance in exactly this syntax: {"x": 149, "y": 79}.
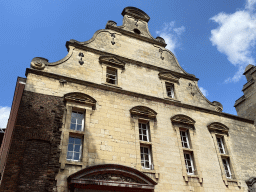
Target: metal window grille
{"x": 226, "y": 168}
{"x": 77, "y": 121}
{"x": 74, "y": 149}
{"x": 145, "y": 154}
{"x": 170, "y": 90}
{"x": 189, "y": 163}
{"x": 184, "y": 139}
{"x": 111, "y": 75}
{"x": 221, "y": 145}
{"x": 144, "y": 132}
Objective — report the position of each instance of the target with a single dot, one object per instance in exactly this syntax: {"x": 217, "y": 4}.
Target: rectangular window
{"x": 145, "y": 154}
{"x": 74, "y": 149}
{"x": 144, "y": 132}
{"x": 170, "y": 90}
{"x": 77, "y": 121}
{"x": 111, "y": 75}
{"x": 226, "y": 168}
{"x": 221, "y": 145}
{"x": 184, "y": 139}
{"x": 189, "y": 163}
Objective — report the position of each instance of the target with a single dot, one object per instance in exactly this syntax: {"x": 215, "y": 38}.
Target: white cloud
{"x": 204, "y": 91}
{"x": 4, "y": 115}
{"x": 236, "y": 37}
{"x": 171, "y": 35}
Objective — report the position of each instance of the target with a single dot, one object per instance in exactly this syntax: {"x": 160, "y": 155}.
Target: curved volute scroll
{"x": 251, "y": 183}
{"x": 218, "y": 106}
{"x": 80, "y": 98}
{"x": 142, "y": 111}
{"x": 111, "y": 176}
{"x": 112, "y": 60}
{"x": 183, "y": 120}
{"x": 218, "y": 127}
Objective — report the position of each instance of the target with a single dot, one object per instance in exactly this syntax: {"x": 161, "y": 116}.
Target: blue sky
{"x": 214, "y": 40}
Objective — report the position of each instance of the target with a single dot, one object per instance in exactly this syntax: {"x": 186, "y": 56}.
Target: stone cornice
{"x": 134, "y": 94}
{"x": 126, "y": 60}
{"x": 240, "y": 100}
{"x": 248, "y": 84}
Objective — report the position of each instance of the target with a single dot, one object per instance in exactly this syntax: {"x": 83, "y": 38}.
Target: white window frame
{"x": 186, "y": 138}
{"x": 114, "y": 78}
{"x": 73, "y": 151}
{"x": 170, "y": 93}
{"x": 192, "y": 163}
{"x": 141, "y": 131}
{"x": 227, "y": 168}
{"x": 82, "y": 125}
{"x": 221, "y": 145}
{"x": 143, "y": 161}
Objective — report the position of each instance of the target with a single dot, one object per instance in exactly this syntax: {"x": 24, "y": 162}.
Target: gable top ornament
{"x": 218, "y": 127}
{"x": 136, "y": 13}
{"x": 182, "y": 119}
{"x": 143, "y": 112}
{"x": 80, "y": 98}
{"x": 111, "y": 60}
{"x": 168, "y": 76}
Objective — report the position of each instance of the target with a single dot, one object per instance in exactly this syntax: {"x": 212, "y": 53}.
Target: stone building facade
{"x": 118, "y": 113}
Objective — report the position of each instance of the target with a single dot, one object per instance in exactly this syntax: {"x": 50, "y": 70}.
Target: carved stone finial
{"x": 111, "y": 23}
{"x": 218, "y": 106}
{"x": 38, "y": 63}
{"x": 136, "y": 13}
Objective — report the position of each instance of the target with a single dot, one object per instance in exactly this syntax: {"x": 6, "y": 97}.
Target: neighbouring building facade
{"x": 118, "y": 113}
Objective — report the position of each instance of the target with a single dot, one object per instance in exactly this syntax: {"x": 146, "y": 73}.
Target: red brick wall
{"x": 33, "y": 159}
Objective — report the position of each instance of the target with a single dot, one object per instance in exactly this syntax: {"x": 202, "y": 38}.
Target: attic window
{"x": 137, "y": 31}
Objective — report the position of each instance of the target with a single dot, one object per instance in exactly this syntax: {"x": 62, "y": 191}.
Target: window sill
{"x": 171, "y": 99}
{"x": 148, "y": 170}
{"x": 112, "y": 85}
{"x": 193, "y": 176}
{"x": 69, "y": 162}
{"x": 187, "y": 149}
{"x": 224, "y": 155}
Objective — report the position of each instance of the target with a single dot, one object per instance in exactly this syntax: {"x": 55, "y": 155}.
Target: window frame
{"x": 187, "y": 138}
{"x": 149, "y": 157}
{"x": 228, "y": 167}
{"x": 114, "y": 79}
{"x": 171, "y": 93}
{"x": 80, "y": 150}
{"x": 74, "y": 110}
{"x": 147, "y": 131}
{"x": 221, "y": 145}
{"x": 191, "y": 158}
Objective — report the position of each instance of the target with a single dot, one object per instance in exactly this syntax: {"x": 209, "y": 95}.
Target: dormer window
{"x": 111, "y": 75}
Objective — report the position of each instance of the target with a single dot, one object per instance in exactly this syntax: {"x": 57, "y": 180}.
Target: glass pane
{"x": 77, "y": 148}
{"x": 147, "y": 164}
{"x": 72, "y": 126}
{"x": 79, "y": 127}
{"x": 141, "y": 149}
{"x": 76, "y": 156}
{"x": 77, "y": 141}
{"x": 70, "y": 147}
{"x": 146, "y": 150}
{"x": 69, "y": 155}
{"x": 144, "y": 138}
{"x": 71, "y": 139}
{"x": 144, "y": 132}
{"x": 146, "y": 157}
{"x": 140, "y": 137}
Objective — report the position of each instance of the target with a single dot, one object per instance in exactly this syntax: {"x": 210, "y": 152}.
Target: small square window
{"x": 170, "y": 90}
{"x": 226, "y": 168}
{"x": 144, "y": 132}
{"x": 111, "y": 75}
{"x": 221, "y": 145}
{"x": 184, "y": 139}
{"x": 74, "y": 149}
{"x": 145, "y": 153}
{"x": 188, "y": 157}
{"x": 77, "y": 121}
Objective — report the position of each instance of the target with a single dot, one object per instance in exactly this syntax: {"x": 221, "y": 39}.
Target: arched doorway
{"x": 110, "y": 177}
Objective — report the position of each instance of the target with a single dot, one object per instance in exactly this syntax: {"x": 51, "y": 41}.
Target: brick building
{"x": 118, "y": 113}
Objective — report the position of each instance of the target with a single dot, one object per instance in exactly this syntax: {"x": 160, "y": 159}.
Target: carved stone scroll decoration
{"x": 81, "y": 55}
{"x": 183, "y": 120}
{"x": 143, "y": 111}
{"x": 218, "y": 127}
{"x": 161, "y": 51}
{"x": 192, "y": 89}
{"x": 113, "y": 38}
{"x": 111, "y": 23}
{"x": 38, "y": 63}
{"x": 218, "y": 106}
{"x": 251, "y": 183}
